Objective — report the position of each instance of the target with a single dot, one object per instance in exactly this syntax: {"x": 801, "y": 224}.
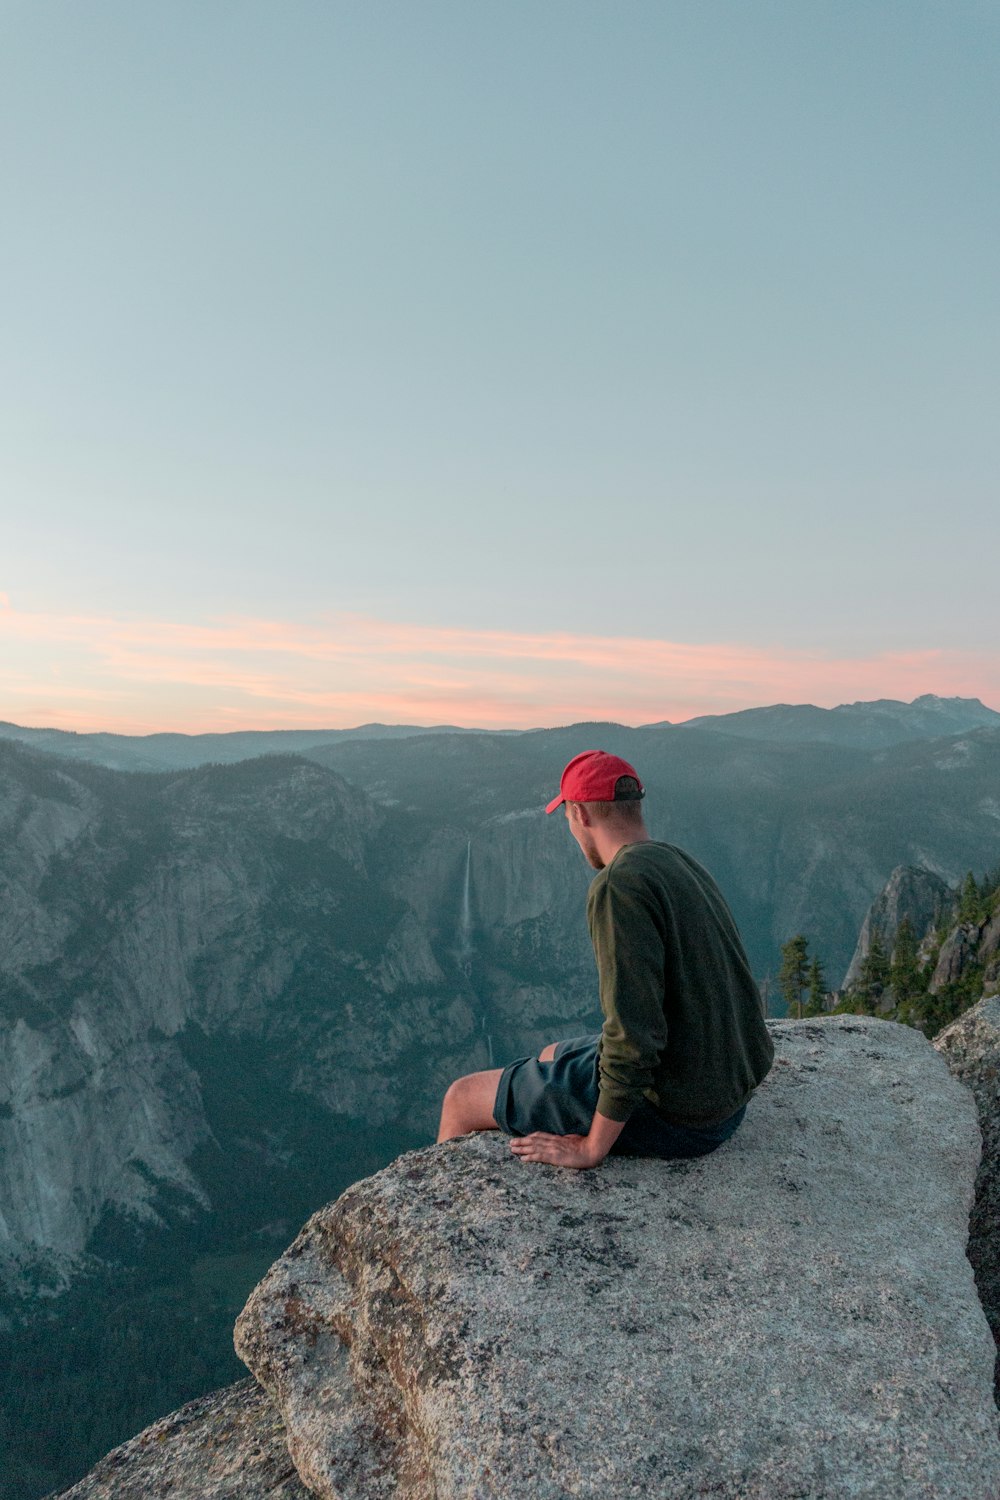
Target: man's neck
{"x": 610, "y": 841}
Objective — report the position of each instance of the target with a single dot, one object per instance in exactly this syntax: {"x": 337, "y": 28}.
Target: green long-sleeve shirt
{"x": 683, "y": 1025}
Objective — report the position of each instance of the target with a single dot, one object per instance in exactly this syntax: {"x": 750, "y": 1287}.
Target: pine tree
{"x": 905, "y": 976}
{"x": 970, "y": 903}
{"x": 875, "y": 968}
{"x": 794, "y": 973}
{"x": 874, "y": 974}
{"x": 816, "y": 1000}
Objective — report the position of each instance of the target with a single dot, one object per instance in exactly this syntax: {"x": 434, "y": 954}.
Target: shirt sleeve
{"x": 630, "y": 966}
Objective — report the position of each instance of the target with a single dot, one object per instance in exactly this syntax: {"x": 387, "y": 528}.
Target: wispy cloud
{"x": 138, "y": 675}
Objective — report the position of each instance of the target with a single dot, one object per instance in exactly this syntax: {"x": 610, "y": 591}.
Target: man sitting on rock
{"x": 684, "y": 1042}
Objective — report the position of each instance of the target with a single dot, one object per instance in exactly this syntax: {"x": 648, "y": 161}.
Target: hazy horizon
{"x": 483, "y": 728}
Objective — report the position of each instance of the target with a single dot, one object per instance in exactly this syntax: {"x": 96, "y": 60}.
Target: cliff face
{"x": 87, "y": 1125}
{"x": 957, "y": 954}
{"x": 971, "y": 1048}
{"x": 792, "y": 1315}
{"x": 911, "y": 894}
{"x": 153, "y": 930}
{"x": 970, "y": 943}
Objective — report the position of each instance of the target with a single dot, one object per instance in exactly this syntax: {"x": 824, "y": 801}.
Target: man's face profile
{"x": 583, "y": 835}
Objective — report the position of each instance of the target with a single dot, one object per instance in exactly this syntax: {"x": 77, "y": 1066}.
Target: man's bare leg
{"x": 468, "y": 1105}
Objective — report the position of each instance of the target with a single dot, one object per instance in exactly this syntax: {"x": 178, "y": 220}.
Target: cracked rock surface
{"x": 792, "y": 1316}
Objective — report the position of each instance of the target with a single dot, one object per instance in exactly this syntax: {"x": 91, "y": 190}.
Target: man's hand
{"x": 570, "y": 1150}
{"x": 557, "y": 1150}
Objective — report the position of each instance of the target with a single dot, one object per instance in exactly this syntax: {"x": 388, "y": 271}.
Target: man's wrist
{"x": 601, "y": 1137}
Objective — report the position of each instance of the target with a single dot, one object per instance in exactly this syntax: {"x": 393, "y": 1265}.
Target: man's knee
{"x": 468, "y": 1104}
{"x": 548, "y": 1053}
{"x": 459, "y": 1094}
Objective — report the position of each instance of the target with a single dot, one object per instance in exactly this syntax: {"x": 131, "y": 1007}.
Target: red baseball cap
{"x": 592, "y": 777}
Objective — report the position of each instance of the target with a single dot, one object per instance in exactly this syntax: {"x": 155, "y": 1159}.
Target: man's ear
{"x": 578, "y": 813}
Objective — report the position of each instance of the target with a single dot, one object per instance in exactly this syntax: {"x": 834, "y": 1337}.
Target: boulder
{"x": 226, "y": 1446}
{"x": 989, "y": 950}
{"x": 971, "y": 1048}
{"x": 793, "y": 1315}
{"x": 957, "y": 951}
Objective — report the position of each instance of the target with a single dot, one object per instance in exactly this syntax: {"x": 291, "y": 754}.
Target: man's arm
{"x": 630, "y": 958}
{"x": 570, "y": 1150}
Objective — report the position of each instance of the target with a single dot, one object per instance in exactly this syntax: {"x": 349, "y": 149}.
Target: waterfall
{"x": 465, "y": 915}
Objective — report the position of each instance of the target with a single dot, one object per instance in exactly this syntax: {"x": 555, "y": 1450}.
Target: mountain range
{"x": 869, "y": 725}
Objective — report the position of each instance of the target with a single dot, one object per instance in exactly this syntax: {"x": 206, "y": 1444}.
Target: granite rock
{"x": 989, "y": 942}
{"x": 971, "y": 1048}
{"x": 957, "y": 951}
{"x": 988, "y": 953}
{"x": 793, "y": 1315}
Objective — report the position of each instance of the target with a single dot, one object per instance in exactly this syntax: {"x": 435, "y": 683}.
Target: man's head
{"x": 602, "y": 795}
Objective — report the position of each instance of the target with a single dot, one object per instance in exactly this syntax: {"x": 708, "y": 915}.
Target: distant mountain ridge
{"x": 864, "y": 725}
{"x": 184, "y": 752}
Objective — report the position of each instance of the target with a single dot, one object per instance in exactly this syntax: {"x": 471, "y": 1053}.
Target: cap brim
{"x": 556, "y": 802}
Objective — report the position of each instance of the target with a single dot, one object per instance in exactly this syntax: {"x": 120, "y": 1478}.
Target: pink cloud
{"x": 134, "y": 675}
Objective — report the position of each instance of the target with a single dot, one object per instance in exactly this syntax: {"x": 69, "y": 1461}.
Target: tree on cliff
{"x": 816, "y": 998}
{"x": 978, "y": 900}
{"x": 898, "y": 985}
{"x": 794, "y": 974}
{"x": 907, "y": 979}
{"x": 874, "y": 974}
{"x": 970, "y": 901}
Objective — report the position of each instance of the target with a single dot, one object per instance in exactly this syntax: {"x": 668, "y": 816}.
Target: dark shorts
{"x": 561, "y": 1097}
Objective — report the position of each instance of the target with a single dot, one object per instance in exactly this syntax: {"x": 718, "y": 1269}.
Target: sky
{"x": 503, "y": 364}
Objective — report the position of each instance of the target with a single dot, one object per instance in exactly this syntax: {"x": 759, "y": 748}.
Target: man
{"x": 684, "y": 1042}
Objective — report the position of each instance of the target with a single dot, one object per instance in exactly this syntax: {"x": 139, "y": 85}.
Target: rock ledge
{"x": 793, "y": 1316}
